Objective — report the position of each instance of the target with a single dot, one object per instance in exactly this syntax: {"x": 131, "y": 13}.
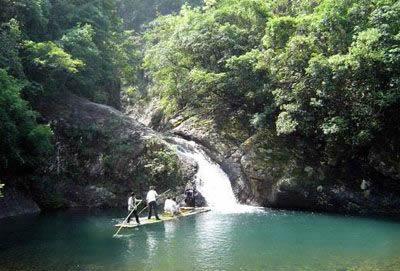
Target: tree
{"x": 10, "y": 37}
{"x": 23, "y": 141}
{"x": 50, "y": 65}
{"x": 322, "y": 71}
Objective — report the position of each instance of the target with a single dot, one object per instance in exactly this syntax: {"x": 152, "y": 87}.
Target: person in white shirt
{"x": 133, "y": 202}
{"x": 151, "y": 201}
{"x": 170, "y": 206}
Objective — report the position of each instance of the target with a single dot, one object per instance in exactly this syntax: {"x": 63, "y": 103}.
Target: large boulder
{"x": 282, "y": 175}
{"x": 101, "y": 155}
{"x": 337, "y": 198}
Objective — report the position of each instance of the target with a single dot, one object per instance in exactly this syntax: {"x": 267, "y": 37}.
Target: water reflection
{"x": 170, "y": 228}
{"x": 152, "y": 242}
{"x": 214, "y": 239}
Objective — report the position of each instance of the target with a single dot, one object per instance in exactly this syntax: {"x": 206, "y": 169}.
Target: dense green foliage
{"x": 51, "y": 47}
{"x": 48, "y": 47}
{"x": 323, "y": 71}
{"x": 23, "y": 141}
{"x": 137, "y": 13}
{"x": 44, "y": 49}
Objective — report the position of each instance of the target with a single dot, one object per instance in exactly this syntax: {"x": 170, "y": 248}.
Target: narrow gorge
{"x": 102, "y": 154}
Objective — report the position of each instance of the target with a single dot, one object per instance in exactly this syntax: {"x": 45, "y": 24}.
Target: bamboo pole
{"x": 122, "y": 224}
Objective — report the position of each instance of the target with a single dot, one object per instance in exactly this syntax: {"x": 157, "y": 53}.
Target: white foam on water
{"x": 211, "y": 181}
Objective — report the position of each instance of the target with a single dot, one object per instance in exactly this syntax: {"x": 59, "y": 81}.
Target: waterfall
{"x": 211, "y": 181}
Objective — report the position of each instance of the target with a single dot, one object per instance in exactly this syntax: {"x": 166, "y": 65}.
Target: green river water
{"x": 264, "y": 240}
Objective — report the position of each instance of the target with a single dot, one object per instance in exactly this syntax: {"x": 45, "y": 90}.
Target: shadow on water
{"x": 59, "y": 240}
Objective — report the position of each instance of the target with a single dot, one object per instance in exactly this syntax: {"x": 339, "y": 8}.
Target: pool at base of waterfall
{"x": 261, "y": 240}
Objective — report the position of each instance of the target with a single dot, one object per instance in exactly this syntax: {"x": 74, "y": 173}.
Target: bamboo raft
{"x": 164, "y": 217}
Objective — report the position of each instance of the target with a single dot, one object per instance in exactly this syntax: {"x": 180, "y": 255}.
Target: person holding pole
{"x": 151, "y": 202}
{"x": 133, "y": 203}
{"x": 123, "y": 223}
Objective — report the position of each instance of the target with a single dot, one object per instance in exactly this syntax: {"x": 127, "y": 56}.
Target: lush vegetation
{"x": 137, "y": 14}
{"x": 48, "y": 47}
{"x": 37, "y": 58}
{"x": 59, "y": 46}
{"x": 322, "y": 71}
{"x": 51, "y": 47}
{"x": 23, "y": 141}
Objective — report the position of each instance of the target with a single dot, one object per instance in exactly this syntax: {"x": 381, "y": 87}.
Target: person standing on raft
{"x": 133, "y": 202}
{"x": 190, "y": 192}
{"x": 151, "y": 201}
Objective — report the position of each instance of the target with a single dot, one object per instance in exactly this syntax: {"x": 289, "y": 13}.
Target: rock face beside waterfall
{"x": 225, "y": 152}
{"x": 286, "y": 177}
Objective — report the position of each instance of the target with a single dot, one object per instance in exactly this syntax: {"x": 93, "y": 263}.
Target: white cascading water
{"x": 211, "y": 181}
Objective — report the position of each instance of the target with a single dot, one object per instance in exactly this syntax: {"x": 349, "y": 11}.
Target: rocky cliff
{"x": 100, "y": 155}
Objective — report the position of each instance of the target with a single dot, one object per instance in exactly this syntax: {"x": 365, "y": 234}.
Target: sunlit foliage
{"x": 326, "y": 71}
